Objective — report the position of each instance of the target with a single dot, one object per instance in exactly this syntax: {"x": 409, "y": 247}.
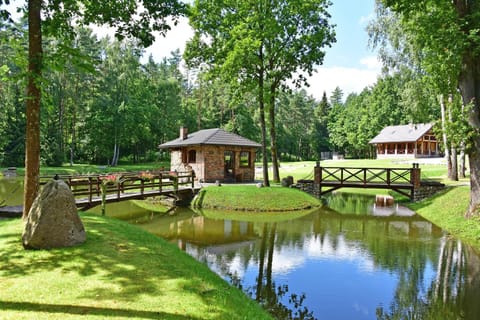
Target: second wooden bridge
{"x": 402, "y": 180}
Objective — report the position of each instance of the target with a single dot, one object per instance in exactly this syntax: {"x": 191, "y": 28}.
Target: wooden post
{"x": 90, "y": 191}
{"x": 318, "y": 177}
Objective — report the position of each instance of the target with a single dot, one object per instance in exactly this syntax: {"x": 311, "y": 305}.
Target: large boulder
{"x": 53, "y": 220}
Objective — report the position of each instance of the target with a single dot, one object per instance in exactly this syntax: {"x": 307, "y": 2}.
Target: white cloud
{"x": 371, "y": 62}
{"x": 349, "y": 80}
{"x": 174, "y": 39}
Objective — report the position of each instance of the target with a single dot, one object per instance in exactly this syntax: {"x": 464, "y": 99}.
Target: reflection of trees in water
{"x": 266, "y": 291}
{"x": 411, "y": 248}
{"x": 452, "y": 293}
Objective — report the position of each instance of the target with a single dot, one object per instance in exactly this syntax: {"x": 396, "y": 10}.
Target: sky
{"x": 348, "y": 64}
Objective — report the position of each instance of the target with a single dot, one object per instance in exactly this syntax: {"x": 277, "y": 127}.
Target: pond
{"x": 353, "y": 259}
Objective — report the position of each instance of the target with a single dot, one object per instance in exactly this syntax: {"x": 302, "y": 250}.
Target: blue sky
{"x": 351, "y": 18}
{"x": 349, "y": 64}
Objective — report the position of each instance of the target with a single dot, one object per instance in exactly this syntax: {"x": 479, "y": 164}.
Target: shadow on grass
{"x": 118, "y": 262}
{"x": 87, "y": 310}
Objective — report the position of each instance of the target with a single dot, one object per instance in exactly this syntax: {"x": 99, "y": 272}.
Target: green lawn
{"x": 447, "y": 210}
{"x": 121, "y": 272}
{"x": 251, "y": 198}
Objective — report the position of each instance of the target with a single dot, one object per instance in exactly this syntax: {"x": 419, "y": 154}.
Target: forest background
{"x": 102, "y": 105}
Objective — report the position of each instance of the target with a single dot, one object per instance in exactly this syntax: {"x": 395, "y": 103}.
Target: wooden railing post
{"x": 90, "y": 190}
{"x": 317, "y": 182}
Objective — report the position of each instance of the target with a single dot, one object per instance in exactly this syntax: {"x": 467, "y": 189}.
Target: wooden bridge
{"x": 88, "y": 189}
{"x": 402, "y": 180}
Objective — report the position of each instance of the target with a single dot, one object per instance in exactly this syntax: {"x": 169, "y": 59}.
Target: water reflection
{"x": 335, "y": 265}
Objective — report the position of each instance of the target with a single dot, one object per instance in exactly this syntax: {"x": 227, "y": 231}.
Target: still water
{"x": 352, "y": 259}
{"x": 349, "y": 260}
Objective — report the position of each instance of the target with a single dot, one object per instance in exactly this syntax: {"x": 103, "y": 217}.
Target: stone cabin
{"x": 214, "y": 154}
{"x": 406, "y": 141}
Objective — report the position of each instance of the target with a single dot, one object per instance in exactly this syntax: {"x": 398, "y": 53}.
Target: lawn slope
{"x": 121, "y": 272}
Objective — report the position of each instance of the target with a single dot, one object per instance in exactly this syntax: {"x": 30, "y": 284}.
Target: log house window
{"x": 192, "y": 156}
{"x": 184, "y": 156}
{"x": 244, "y": 159}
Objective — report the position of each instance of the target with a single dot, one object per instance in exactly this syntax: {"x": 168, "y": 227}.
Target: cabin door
{"x": 229, "y": 165}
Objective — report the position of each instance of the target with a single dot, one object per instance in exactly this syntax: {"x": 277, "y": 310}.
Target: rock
{"x": 287, "y": 182}
{"x": 53, "y": 220}
{"x": 259, "y": 185}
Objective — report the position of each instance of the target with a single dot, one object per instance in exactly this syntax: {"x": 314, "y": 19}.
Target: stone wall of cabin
{"x": 209, "y": 164}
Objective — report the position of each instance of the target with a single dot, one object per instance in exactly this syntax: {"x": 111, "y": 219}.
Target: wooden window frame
{"x": 249, "y": 157}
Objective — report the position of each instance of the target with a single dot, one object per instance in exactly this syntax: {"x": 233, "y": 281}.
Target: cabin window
{"x": 184, "y": 156}
{"x": 192, "y": 156}
{"x": 244, "y": 159}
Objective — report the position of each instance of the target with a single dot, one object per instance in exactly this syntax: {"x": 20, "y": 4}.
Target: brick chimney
{"x": 183, "y": 133}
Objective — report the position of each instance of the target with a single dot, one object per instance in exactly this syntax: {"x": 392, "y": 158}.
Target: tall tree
{"x": 261, "y": 44}
{"x": 131, "y": 18}
{"x": 448, "y": 31}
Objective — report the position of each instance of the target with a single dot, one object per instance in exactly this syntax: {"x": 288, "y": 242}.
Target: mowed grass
{"x": 251, "y": 198}
{"x": 120, "y": 272}
{"x": 447, "y": 210}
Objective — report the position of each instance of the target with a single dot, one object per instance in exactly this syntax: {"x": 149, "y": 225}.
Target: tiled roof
{"x": 403, "y": 133}
{"x": 211, "y": 137}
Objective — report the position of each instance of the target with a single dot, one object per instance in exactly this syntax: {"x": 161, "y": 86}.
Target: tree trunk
{"x": 273, "y": 135}
{"x": 32, "y": 113}
{"x": 454, "y": 162}
{"x": 263, "y": 125}
{"x": 462, "y": 168}
{"x": 469, "y": 83}
{"x": 116, "y": 154}
{"x": 441, "y": 99}
{"x": 453, "y": 152}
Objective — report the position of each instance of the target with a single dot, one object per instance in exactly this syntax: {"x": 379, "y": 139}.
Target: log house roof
{"x": 402, "y": 133}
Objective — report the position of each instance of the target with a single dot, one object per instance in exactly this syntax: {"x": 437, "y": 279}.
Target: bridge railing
{"x": 391, "y": 178}
{"x": 91, "y": 185}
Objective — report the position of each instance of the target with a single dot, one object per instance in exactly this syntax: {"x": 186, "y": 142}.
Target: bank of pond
{"x": 351, "y": 257}
{"x": 321, "y": 262}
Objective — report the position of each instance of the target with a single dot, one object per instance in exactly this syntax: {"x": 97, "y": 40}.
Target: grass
{"x": 123, "y": 272}
{"x": 251, "y": 198}
{"x": 120, "y": 272}
{"x": 447, "y": 209}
